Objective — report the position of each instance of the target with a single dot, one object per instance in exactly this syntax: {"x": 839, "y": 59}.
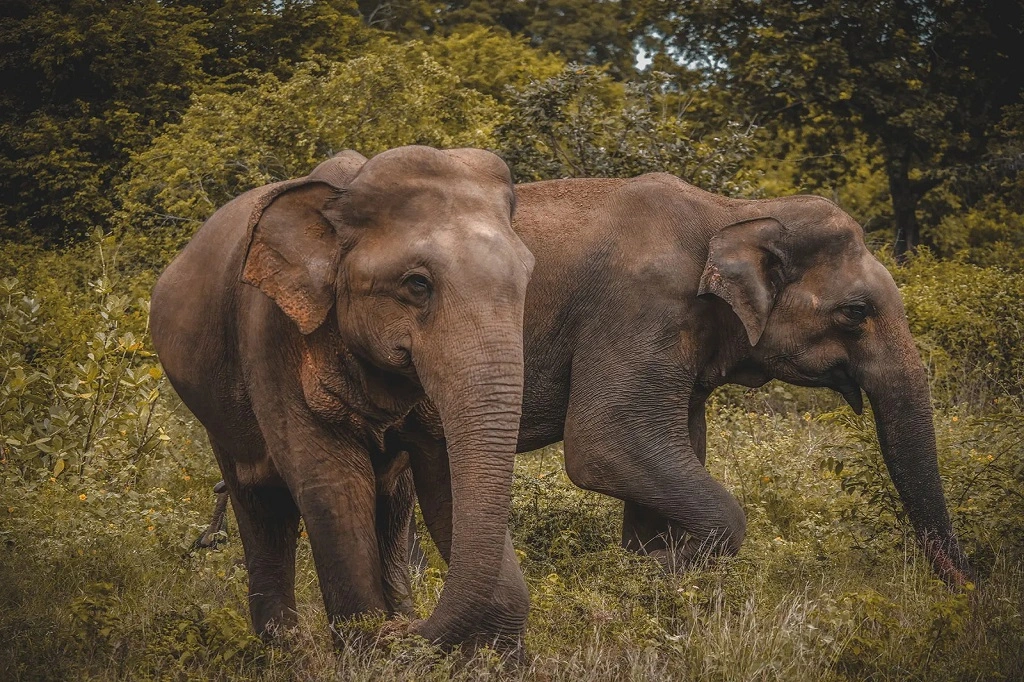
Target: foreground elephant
{"x": 307, "y": 317}
{"x": 649, "y": 293}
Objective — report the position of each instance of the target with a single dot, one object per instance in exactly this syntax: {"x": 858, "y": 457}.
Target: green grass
{"x": 105, "y": 480}
{"x": 826, "y": 587}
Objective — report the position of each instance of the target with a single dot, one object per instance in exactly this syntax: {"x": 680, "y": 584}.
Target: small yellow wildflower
{"x": 83, "y": 497}
{"x": 955, "y": 419}
{"x": 187, "y": 477}
{"x": 303, "y": 534}
{"x": 10, "y": 510}
{"x": 151, "y": 528}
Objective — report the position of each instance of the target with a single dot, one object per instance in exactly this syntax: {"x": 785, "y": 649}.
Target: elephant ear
{"x": 745, "y": 269}
{"x": 293, "y": 251}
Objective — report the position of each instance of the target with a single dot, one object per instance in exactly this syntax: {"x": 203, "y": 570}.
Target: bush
{"x": 969, "y": 325}
{"x": 581, "y": 123}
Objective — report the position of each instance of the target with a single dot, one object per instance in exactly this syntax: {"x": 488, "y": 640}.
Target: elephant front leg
{"x": 628, "y": 435}
{"x": 333, "y": 484}
{"x": 645, "y": 531}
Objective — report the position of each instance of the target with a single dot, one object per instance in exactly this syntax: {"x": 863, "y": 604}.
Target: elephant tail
{"x": 216, "y": 531}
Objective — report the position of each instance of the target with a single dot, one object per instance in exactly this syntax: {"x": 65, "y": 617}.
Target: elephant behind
{"x": 648, "y": 293}
{"x": 304, "y": 320}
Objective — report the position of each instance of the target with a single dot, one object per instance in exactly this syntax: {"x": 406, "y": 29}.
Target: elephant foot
{"x": 402, "y": 625}
{"x": 281, "y": 633}
{"x": 510, "y": 649}
{"x": 687, "y": 555}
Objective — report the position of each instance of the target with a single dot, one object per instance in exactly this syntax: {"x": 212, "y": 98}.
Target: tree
{"x": 274, "y": 35}
{"x": 596, "y": 33}
{"x": 229, "y": 141}
{"x": 581, "y": 123}
{"x": 86, "y": 83}
{"x": 925, "y": 80}
{"x": 82, "y": 83}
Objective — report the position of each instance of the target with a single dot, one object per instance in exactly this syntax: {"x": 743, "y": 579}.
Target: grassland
{"x": 105, "y": 480}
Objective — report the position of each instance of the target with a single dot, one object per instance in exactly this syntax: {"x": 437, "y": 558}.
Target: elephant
{"x": 648, "y": 293}
{"x": 308, "y": 317}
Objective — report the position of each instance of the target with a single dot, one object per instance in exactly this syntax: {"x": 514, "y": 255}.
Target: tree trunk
{"x": 905, "y": 198}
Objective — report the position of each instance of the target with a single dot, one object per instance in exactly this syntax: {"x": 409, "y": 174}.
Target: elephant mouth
{"x": 837, "y": 377}
{"x": 843, "y": 383}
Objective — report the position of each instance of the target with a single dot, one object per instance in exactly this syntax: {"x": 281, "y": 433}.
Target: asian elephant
{"x": 306, "y": 318}
{"x": 649, "y": 293}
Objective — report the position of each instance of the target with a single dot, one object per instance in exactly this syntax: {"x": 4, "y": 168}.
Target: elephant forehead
{"x": 412, "y": 202}
{"x": 472, "y": 244}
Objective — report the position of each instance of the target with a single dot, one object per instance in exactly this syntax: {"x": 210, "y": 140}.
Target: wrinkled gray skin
{"x": 649, "y": 293}
{"x": 304, "y": 320}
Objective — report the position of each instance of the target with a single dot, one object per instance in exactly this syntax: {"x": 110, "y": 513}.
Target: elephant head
{"x": 411, "y": 255}
{"x": 817, "y": 309}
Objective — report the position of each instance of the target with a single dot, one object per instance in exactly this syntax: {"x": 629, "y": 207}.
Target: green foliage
{"x": 231, "y": 141}
{"x": 83, "y": 83}
{"x": 60, "y": 406}
{"x": 927, "y": 81}
{"x": 491, "y": 62}
{"x": 581, "y": 123}
{"x": 595, "y": 33}
{"x": 969, "y": 324}
{"x": 275, "y": 35}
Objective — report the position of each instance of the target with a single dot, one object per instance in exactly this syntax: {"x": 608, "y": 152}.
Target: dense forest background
{"x": 125, "y": 123}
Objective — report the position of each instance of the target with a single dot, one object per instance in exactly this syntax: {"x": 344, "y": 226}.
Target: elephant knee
{"x": 726, "y": 534}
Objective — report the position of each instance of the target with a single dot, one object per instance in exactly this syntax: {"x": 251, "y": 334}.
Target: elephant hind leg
{"x": 268, "y": 523}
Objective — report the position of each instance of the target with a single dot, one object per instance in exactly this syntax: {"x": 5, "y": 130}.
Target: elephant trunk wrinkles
{"x": 906, "y": 434}
{"x": 480, "y": 406}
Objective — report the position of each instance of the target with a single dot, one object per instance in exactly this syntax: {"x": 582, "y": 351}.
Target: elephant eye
{"x": 417, "y": 287}
{"x": 854, "y": 313}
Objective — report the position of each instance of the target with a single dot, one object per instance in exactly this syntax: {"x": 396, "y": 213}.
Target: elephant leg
{"x": 506, "y": 614}
{"x": 651, "y": 464}
{"x": 396, "y": 502}
{"x": 644, "y": 530}
{"x": 339, "y": 509}
{"x": 334, "y": 486}
{"x": 268, "y": 524}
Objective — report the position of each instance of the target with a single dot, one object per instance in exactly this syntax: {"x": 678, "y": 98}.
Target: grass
{"x": 96, "y": 583}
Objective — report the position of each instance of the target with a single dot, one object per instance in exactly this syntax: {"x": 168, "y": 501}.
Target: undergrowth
{"x": 105, "y": 480}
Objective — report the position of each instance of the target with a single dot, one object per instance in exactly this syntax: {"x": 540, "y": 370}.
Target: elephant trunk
{"x": 479, "y": 397}
{"x": 900, "y": 399}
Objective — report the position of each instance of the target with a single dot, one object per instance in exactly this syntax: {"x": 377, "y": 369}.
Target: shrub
{"x": 969, "y": 325}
